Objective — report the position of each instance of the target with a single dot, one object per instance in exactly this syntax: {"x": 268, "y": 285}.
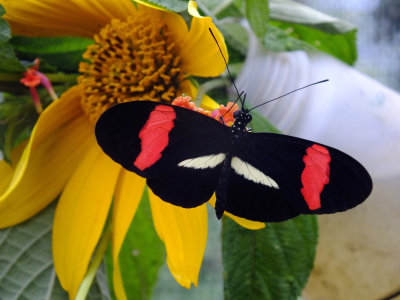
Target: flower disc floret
{"x": 136, "y": 59}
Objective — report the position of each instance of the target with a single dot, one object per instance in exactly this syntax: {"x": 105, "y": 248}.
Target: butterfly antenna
{"x": 227, "y": 68}
{"x": 288, "y": 93}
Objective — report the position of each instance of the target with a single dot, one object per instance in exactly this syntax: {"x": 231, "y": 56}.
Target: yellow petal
{"x": 184, "y": 233}
{"x": 118, "y": 284}
{"x": 7, "y": 169}
{"x": 253, "y": 225}
{"x": 128, "y": 193}
{"x": 200, "y": 54}
{"x": 6, "y": 172}
{"x": 80, "y": 216}
{"x": 154, "y": 6}
{"x": 208, "y": 103}
{"x": 57, "y": 144}
{"x": 63, "y": 18}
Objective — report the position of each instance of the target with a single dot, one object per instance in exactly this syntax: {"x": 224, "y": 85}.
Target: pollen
{"x": 226, "y": 112}
{"x": 186, "y": 102}
{"x": 131, "y": 60}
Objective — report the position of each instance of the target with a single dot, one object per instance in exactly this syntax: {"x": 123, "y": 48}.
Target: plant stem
{"x": 95, "y": 264}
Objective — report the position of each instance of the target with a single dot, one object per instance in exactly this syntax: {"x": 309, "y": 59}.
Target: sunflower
{"x": 140, "y": 52}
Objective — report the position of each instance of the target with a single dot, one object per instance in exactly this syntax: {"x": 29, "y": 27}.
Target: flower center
{"x": 132, "y": 60}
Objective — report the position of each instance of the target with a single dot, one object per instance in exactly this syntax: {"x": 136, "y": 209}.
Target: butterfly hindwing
{"x": 189, "y": 184}
{"x": 256, "y": 201}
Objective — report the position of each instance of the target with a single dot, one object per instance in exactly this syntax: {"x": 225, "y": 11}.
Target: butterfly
{"x": 187, "y": 156}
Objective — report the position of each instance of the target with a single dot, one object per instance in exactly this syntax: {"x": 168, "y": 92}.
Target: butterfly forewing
{"x": 192, "y": 135}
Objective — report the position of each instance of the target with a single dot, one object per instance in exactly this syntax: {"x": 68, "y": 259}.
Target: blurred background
{"x": 378, "y": 23}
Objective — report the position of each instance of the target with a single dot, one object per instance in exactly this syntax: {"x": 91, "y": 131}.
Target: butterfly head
{"x": 242, "y": 118}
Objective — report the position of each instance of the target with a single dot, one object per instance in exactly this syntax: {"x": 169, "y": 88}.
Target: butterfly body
{"x": 186, "y": 157}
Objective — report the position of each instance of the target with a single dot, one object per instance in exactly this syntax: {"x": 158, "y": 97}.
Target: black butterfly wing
{"x": 177, "y": 134}
{"x": 281, "y": 158}
{"x": 180, "y": 152}
{"x": 185, "y": 187}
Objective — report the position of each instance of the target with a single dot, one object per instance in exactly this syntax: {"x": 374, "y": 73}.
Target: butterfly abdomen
{"x": 222, "y": 187}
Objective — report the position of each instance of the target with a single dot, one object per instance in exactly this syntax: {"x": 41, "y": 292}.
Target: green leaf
{"x": 257, "y": 12}
{"x": 26, "y": 265}
{"x": 279, "y": 40}
{"x": 295, "y": 12}
{"x": 141, "y": 256}
{"x": 271, "y": 263}
{"x": 18, "y": 115}
{"x": 5, "y": 32}
{"x": 64, "y": 53}
{"x": 294, "y": 26}
{"x": 8, "y": 61}
{"x": 17, "y": 118}
{"x": 173, "y": 5}
{"x": 285, "y": 36}
{"x": 260, "y": 124}
{"x": 235, "y": 36}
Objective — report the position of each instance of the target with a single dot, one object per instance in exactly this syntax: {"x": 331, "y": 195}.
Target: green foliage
{"x": 257, "y": 12}
{"x": 295, "y": 12}
{"x": 26, "y": 266}
{"x": 141, "y": 256}
{"x": 63, "y": 53}
{"x": 17, "y": 112}
{"x": 289, "y": 25}
{"x": 260, "y": 124}
{"x": 284, "y": 36}
{"x": 173, "y": 5}
{"x": 5, "y": 32}
{"x": 295, "y": 26}
{"x": 272, "y": 263}
{"x": 18, "y": 117}
{"x": 8, "y": 61}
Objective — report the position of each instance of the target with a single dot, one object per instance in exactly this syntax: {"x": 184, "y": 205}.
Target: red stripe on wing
{"x": 154, "y": 136}
{"x": 315, "y": 174}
